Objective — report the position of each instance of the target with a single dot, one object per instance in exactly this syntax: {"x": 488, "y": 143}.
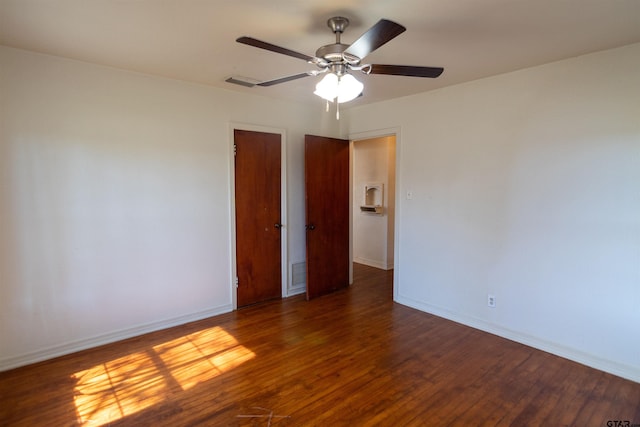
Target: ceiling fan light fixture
{"x": 327, "y": 88}
{"x": 345, "y": 88}
{"x": 349, "y": 88}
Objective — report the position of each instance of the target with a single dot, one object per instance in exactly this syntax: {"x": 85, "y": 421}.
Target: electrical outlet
{"x": 491, "y": 300}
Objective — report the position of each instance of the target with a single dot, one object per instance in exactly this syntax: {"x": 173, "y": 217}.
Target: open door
{"x": 327, "y": 214}
{"x": 258, "y": 216}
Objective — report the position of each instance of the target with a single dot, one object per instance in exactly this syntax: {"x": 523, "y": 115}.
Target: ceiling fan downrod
{"x": 338, "y": 24}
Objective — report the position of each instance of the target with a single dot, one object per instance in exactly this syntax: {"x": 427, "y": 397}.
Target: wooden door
{"x": 327, "y": 214}
{"x": 257, "y": 197}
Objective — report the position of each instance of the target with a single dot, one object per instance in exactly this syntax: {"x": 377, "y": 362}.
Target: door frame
{"x": 378, "y": 133}
{"x": 232, "y": 205}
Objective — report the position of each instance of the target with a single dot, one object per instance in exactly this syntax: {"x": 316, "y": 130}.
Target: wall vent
{"x": 298, "y": 277}
{"x": 298, "y": 274}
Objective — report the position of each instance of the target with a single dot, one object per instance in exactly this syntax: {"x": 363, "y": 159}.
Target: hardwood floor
{"x": 350, "y": 358}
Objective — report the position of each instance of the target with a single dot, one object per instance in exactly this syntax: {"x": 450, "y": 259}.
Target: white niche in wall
{"x": 373, "y": 198}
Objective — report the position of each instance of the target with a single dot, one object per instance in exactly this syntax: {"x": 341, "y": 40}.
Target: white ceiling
{"x": 194, "y": 40}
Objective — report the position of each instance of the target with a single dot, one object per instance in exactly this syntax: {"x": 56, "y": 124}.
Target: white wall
{"x": 115, "y": 200}
{"x": 373, "y": 163}
{"x": 527, "y": 186}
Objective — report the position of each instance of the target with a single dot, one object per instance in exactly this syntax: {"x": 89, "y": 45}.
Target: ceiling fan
{"x": 338, "y": 60}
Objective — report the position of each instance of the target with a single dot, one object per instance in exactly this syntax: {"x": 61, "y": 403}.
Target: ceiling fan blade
{"x": 406, "y": 70}
{"x": 277, "y": 49}
{"x": 284, "y": 79}
{"x": 376, "y": 36}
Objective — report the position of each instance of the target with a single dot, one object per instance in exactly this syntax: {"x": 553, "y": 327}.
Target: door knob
{"x": 310, "y": 227}
{"x": 277, "y": 225}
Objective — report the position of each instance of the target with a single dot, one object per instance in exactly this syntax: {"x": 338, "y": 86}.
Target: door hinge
{"x": 237, "y": 282}
{"x": 235, "y": 149}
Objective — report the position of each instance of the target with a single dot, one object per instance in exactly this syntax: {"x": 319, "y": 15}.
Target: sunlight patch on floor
{"x": 201, "y": 356}
{"x": 124, "y": 386}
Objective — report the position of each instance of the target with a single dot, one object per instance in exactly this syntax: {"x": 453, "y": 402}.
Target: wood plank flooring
{"x": 352, "y": 358}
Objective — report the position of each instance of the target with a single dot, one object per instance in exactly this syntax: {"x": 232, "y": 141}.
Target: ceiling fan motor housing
{"x": 332, "y": 52}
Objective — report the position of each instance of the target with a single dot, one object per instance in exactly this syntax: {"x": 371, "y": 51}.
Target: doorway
{"x": 259, "y": 238}
{"x": 332, "y": 201}
{"x": 374, "y": 159}
{"x": 374, "y": 201}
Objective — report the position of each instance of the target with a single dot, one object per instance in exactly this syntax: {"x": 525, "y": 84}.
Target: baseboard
{"x": 79, "y": 345}
{"x": 372, "y": 263}
{"x": 618, "y": 369}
